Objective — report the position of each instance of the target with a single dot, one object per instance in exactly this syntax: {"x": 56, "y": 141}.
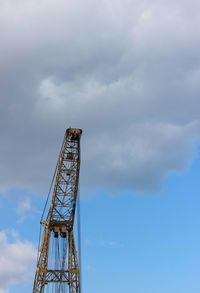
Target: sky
{"x": 127, "y": 73}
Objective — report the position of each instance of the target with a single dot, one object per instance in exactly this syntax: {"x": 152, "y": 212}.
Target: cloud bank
{"x": 126, "y": 72}
{"x": 17, "y": 260}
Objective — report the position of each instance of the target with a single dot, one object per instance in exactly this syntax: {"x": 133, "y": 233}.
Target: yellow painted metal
{"x": 59, "y": 222}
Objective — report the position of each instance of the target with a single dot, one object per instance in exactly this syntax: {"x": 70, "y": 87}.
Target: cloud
{"x": 112, "y": 244}
{"x": 127, "y": 73}
{"x": 17, "y": 260}
{"x": 103, "y": 243}
{"x": 4, "y": 291}
{"x": 23, "y": 207}
{"x": 88, "y": 268}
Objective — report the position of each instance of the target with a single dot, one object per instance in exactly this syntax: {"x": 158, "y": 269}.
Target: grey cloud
{"x": 126, "y": 72}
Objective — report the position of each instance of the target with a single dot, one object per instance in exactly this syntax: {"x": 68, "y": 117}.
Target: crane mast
{"x": 57, "y": 266}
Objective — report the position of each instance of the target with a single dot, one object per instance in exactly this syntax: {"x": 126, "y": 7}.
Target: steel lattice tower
{"x": 57, "y": 266}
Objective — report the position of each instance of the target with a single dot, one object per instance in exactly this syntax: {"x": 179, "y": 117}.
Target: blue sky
{"x": 155, "y": 239}
{"x": 142, "y": 243}
{"x": 127, "y": 73}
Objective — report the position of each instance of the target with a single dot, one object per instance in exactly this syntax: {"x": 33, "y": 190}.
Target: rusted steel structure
{"x": 57, "y": 266}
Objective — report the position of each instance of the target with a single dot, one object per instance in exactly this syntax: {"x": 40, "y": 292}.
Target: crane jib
{"x": 58, "y": 265}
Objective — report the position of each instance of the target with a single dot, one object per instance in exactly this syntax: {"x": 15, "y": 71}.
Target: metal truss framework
{"x": 60, "y": 221}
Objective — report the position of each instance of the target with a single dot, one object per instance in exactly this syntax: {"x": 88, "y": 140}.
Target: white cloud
{"x": 90, "y": 268}
{"x": 127, "y": 74}
{"x": 17, "y": 260}
{"x": 104, "y": 243}
{"x": 24, "y": 206}
{"x": 112, "y": 244}
{"x": 4, "y": 290}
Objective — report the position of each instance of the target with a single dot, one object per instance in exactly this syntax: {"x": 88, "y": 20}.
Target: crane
{"x": 58, "y": 268}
